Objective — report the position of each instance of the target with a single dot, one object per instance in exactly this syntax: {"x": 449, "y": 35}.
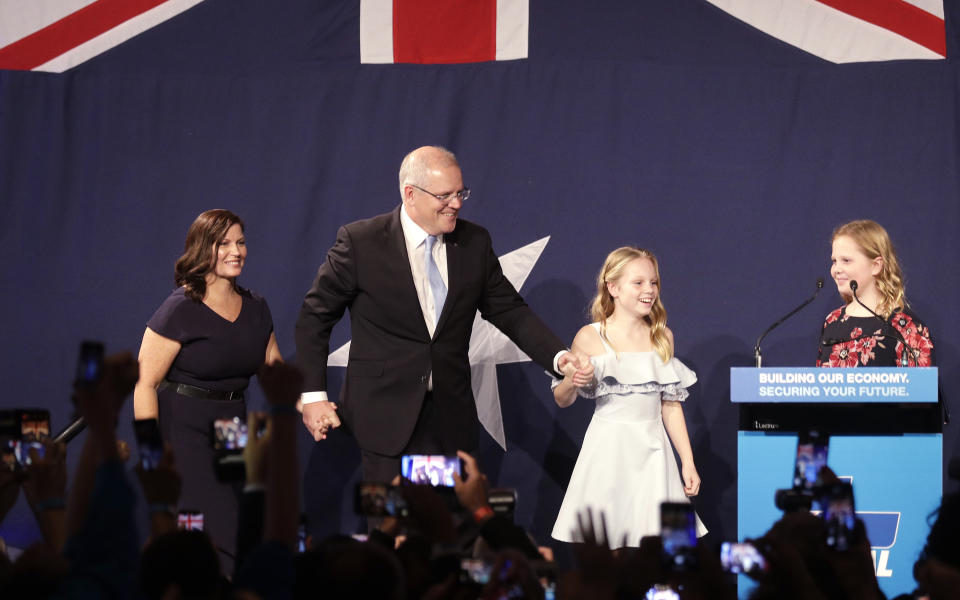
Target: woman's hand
{"x": 319, "y": 418}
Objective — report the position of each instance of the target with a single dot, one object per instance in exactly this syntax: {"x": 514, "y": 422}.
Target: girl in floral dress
{"x": 851, "y": 336}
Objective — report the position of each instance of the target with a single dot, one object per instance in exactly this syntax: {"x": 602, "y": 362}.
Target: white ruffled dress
{"x": 626, "y": 466}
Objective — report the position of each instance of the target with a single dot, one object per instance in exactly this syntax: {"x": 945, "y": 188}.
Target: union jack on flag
{"x": 55, "y": 35}
{"x": 845, "y": 31}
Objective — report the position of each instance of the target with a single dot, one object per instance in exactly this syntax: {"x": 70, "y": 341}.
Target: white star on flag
{"x": 489, "y": 347}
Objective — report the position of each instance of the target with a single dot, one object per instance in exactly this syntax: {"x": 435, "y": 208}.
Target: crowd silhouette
{"x": 453, "y": 546}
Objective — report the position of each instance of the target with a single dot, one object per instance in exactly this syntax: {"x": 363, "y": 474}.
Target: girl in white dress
{"x": 626, "y": 466}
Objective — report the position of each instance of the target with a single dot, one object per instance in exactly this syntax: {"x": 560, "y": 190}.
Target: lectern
{"x": 885, "y": 429}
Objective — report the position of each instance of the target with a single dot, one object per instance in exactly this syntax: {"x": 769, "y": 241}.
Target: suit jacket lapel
{"x": 409, "y": 302}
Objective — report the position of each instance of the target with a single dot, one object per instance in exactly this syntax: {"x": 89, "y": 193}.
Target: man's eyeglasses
{"x": 460, "y": 195}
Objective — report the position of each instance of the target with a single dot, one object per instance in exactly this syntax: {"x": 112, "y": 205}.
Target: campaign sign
{"x": 897, "y": 483}
{"x": 813, "y": 384}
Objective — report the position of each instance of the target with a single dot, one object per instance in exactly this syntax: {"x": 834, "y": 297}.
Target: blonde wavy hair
{"x": 602, "y": 306}
{"x": 873, "y": 241}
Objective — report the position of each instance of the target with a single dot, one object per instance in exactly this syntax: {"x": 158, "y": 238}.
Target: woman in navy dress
{"x": 198, "y": 353}
{"x": 851, "y": 335}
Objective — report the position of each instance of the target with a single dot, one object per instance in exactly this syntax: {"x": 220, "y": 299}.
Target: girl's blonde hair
{"x": 873, "y": 241}
{"x": 602, "y": 306}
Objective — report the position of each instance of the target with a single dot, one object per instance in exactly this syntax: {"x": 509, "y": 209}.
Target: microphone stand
{"x": 853, "y": 288}
{"x": 756, "y": 350}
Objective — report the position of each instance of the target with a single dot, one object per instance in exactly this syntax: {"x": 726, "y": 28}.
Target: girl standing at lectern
{"x": 875, "y": 328}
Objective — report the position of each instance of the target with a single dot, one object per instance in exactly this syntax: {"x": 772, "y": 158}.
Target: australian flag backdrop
{"x": 678, "y": 126}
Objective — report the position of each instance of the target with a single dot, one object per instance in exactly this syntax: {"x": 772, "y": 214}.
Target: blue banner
{"x": 812, "y": 384}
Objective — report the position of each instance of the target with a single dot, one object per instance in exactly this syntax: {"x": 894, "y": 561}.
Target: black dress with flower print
{"x": 848, "y": 341}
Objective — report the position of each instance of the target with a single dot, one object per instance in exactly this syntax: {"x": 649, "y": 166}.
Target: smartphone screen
{"x": 661, "y": 592}
{"x": 475, "y": 570}
{"x": 89, "y": 363}
{"x": 149, "y": 442}
{"x": 741, "y": 557}
{"x": 812, "y": 449}
{"x": 839, "y": 516}
{"x": 302, "y": 535}
{"x": 34, "y": 429}
{"x": 229, "y": 435}
{"x": 678, "y": 532}
{"x": 379, "y": 500}
{"x": 9, "y": 437}
{"x": 430, "y": 469}
{"x": 190, "y": 520}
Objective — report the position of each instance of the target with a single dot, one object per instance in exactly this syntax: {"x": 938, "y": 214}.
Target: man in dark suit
{"x": 413, "y": 280}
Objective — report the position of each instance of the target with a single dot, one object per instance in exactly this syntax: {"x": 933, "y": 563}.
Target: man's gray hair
{"x": 413, "y": 169}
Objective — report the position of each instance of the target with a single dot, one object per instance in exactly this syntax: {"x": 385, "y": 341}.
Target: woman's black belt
{"x": 185, "y": 389}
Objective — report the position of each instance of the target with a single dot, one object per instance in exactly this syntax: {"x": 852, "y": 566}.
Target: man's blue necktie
{"x": 436, "y": 281}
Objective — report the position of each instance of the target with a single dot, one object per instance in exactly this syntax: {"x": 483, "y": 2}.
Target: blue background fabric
{"x": 667, "y": 125}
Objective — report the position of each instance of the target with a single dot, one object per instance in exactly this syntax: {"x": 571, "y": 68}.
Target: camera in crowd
{"x": 379, "y": 500}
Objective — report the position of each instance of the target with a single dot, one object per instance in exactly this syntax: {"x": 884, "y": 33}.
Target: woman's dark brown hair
{"x": 198, "y": 251}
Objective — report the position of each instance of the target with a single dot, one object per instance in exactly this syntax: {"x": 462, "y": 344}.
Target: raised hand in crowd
{"x": 596, "y": 575}
{"x": 472, "y": 491}
{"x": 282, "y": 384}
{"x": 161, "y": 490}
{"x": 512, "y": 576}
{"x": 802, "y": 565}
{"x": 250, "y": 517}
{"x": 99, "y": 406}
{"x": 45, "y": 488}
{"x": 853, "y": 567}
{"x": 937, "y": 579}
{"x": 268, "y": 569}
{"x": 793, "y": 549}
{"x": 9, "y": 489}
{"x": 102, "y": 543}
{"x": 428, "y": 514}
{"x": 255, "y": 452}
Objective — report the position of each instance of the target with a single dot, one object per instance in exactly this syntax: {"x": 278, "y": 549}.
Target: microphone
{"x": 756, "y": 350}
{"x": 853, "y": 288}
{"x": 70, "y": 431}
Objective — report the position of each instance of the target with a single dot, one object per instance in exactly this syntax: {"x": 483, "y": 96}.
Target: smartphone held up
{"x": 742, "y": 558}
{"x": 89, "y": 364}
{"x": 21, "y": 430}
{"x": 149, "y": 442}
{"x": 812, "y": 447}
{"x": 229, "y": 437}
{"x": 839, "y": 516}
{"x": 430, "y": 469}
{"x": 678, "y": 532}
